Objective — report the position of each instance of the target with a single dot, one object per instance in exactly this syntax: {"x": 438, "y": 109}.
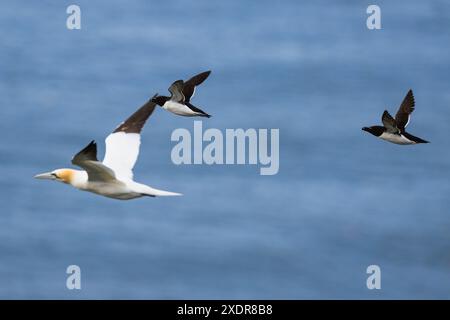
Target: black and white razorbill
{"x": 393, "y": 130}
{"x": 181, "y": 94}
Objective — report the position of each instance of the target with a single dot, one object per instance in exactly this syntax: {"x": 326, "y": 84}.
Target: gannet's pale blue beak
{"x": 46, "y": 176}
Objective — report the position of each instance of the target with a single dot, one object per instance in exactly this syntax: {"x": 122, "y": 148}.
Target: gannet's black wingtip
{"x": 88, "y": 153}
{"x": 136, "y": 121}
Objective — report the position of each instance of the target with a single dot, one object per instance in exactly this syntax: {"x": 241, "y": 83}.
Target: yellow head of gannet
{"x": 63, "y": 175}
{"x": 113, "y": 177}
{"x": 73, "y": 177}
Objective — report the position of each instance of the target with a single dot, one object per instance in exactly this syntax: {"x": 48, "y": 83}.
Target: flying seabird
{"x": 113, "y": 177}
{"x": 393, "y": 130}
{"x": 181, "y": 94}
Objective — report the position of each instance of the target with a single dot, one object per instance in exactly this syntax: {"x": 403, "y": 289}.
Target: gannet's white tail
{"x": 149, "y": 191}
{"x": 162, "y": 193}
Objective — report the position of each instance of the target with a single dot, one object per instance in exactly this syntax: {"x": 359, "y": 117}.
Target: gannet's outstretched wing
{"x": 122, "y": 146}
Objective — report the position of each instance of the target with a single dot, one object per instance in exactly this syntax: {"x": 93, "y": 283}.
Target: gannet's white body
{"x": 113, "y": 177}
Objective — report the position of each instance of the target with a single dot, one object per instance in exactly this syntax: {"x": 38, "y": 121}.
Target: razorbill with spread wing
{"x": 181, "y": 94}
{"x": 393, "y": 130}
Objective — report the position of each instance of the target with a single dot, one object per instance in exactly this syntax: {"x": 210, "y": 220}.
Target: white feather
{"x": 395, "y": 138}
{"x": 407, "y": 122}
{"x": 122, "y": 150}
{"x": 179, "y": 109}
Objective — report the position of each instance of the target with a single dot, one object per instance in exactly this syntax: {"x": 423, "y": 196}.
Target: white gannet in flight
{"x": 113, "y": 177}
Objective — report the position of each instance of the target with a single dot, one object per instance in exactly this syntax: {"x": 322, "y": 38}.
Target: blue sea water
{"x": 341, "y": 201}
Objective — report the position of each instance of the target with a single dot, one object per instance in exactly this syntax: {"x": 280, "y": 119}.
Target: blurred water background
{"x": 342, "y": 200}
